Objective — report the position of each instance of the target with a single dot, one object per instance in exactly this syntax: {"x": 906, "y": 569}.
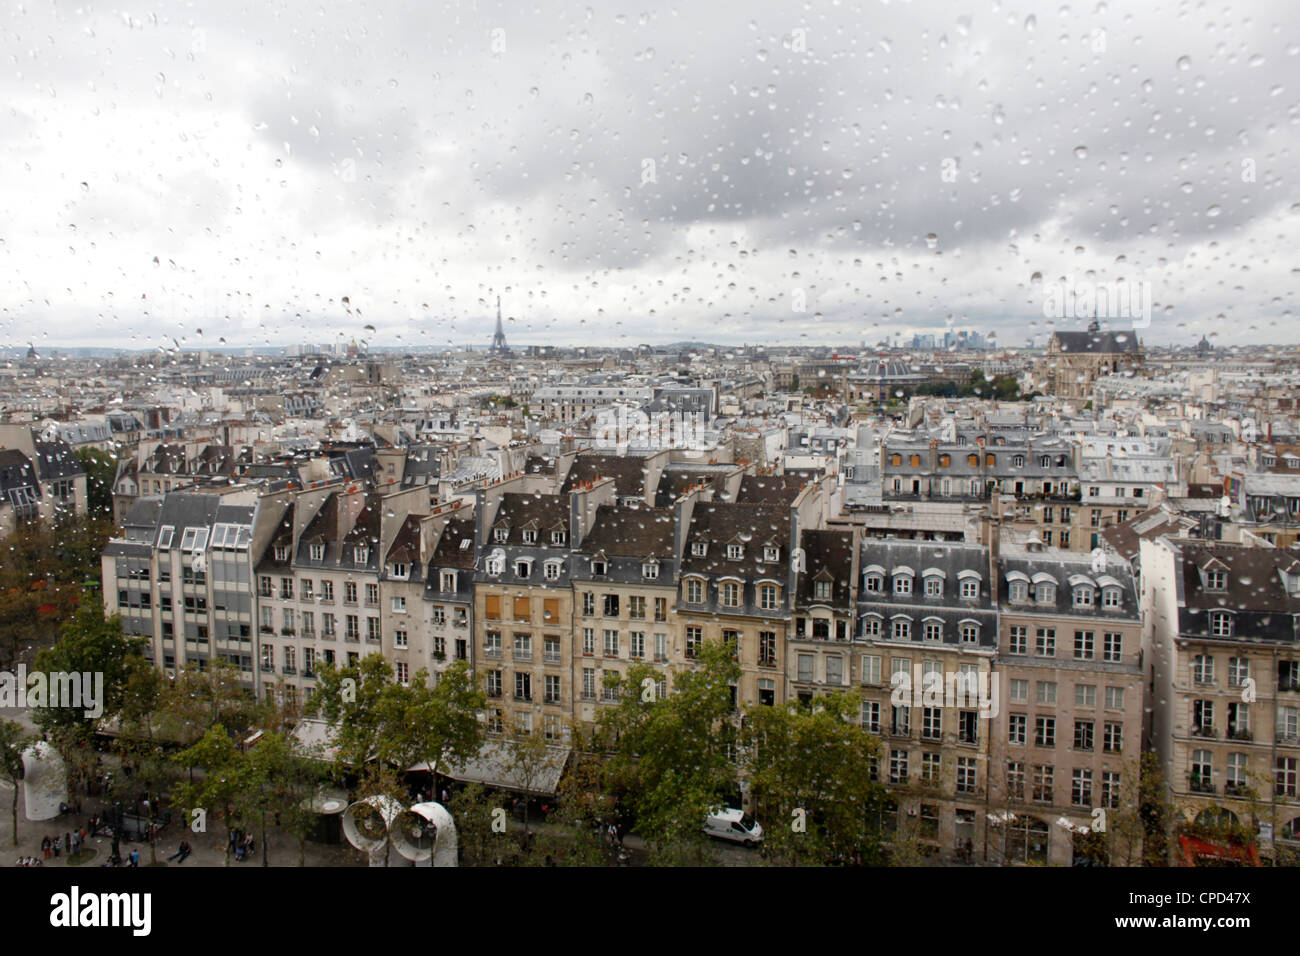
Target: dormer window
{"x": 1019, "y": 592}
{"x": 361, "y": 555}
{"x": 1083, "y": 596}
{"x": 822, "y": 590}
{"x": 523, "y": 567}
{"x": 1221, "y": 624}
{"x": 448, "y": 581}
{"x": 874, "y": 583}
{"x": 1044, "y": 461}
{"x": 1110, "y": 597}
{"x": 558, "y": 537}
{"x": 1216, "y": 580}
{"x": 1045, "y": 593}
{"x": 317, "y": 552}
{"x": 771, "y": 553}
{"x": 1017, "y": 461}
{"x": 495, "y": 564}
{"x": 552, "y": 570}
{"x": 903, "y": 584}
{"x": 735, "y": 552}
{"x": 934, "y": 586}
{"x": 650, "y": 570}
{"x": 165, "y": 537}
{"x": 500, "y": 535}
{"x": 699, "y": 549}
{"x": 731, "y": 594}
{"x": 530, "y": 537}
{"x": 970, "y": 588}
{"x": 281, "y": 553}
{"x": 597, "y": 566}
{"x": 399, "y": 571}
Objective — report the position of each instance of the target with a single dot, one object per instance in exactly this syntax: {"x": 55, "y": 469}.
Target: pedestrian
{"x": 135, "y": 857}
{"x": 67, "y": 841}
{"x": 46, "y": 845}
{"x": 57, "y": 847}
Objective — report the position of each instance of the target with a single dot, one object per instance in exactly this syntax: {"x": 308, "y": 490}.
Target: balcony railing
{"x": 1203, "y": 731}
{"x": 1200, "y": 784}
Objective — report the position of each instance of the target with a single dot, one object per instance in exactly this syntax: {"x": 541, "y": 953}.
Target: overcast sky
{"x": 832, "y": 173}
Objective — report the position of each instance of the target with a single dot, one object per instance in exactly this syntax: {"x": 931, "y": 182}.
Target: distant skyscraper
{"x": 499, "y": 346}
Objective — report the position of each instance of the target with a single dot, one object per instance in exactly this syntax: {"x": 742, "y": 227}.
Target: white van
{"x": 734, "y": 825}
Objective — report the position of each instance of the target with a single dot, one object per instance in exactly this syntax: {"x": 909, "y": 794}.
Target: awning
{"x": 1197, "y": 852}
{"x": 492, "y": 768}
{"x": 315, "y": 738}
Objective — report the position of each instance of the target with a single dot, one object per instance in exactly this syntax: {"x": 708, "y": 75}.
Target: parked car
{"x": 734, "y": 825}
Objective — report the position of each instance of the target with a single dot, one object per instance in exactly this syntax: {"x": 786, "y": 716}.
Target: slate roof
{"x": 1097, "y": 343}
{"x": 1265, "y": 611}
{"x": 770, "y": 489}
{"x": 754, "y": 526}
{"x": 830, "y": 553}
{"x": 628, "y": 472}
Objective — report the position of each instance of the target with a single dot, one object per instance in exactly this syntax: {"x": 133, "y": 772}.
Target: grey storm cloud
{"x": 642, "y": 174}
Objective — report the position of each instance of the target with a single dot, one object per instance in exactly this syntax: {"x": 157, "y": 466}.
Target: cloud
{"x": 642, "y": 176}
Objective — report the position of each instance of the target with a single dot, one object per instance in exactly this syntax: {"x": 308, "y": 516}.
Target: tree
{"x": 196, "y": 700}
{"x": 473, "y": 808}
{"x": 527, "y": 757}
{"x": 435, "y": 725}
{"x": 91, "y": 645}
{"x": 348, "y": 698}
{"x": 101, "y": 473}
{"x": 673, "y": 755}
{"x": 13, "y": 741}
{"x": 283, "y": 782}
{"x": 809, "y": 770}
{"x": 574, "y": 832}
{"x": 223, "y": 789}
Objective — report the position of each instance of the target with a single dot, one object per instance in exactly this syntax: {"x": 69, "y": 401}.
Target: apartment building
{"x": 735, "y": 585}
{"x": 523, "y": 600}
{"x": 318, "y": 588}
{"x": 449, "y": 592}
{"x": 181, "y": 576}
{"x": 40, "y": 477}
{"x": 1040, "y": 474}
{"x": 1224, "y": 662}
{"x": 624, "y": 604}
{"x": 926, "y": 639}
{"x": 820, "y": 646}
{"x": 1066, "y": 743}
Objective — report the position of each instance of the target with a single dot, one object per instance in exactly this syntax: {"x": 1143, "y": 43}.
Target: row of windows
{"x": 1042, "y": 780}
{"x": 968, "y": 585}
{"x": 900, "y": 628}
{"x": 990, "y": 460}
{"x": 732, "y": 593}
{"x": 1084, "y": 648}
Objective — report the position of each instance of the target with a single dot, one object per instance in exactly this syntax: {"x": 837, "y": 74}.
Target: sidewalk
{"x": 209, "y": 848}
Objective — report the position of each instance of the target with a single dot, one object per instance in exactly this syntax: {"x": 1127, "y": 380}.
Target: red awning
{"x": 1198, "y": 852}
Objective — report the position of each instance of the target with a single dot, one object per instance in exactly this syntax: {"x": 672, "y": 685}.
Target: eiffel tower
{"x": 499, "y": 346}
